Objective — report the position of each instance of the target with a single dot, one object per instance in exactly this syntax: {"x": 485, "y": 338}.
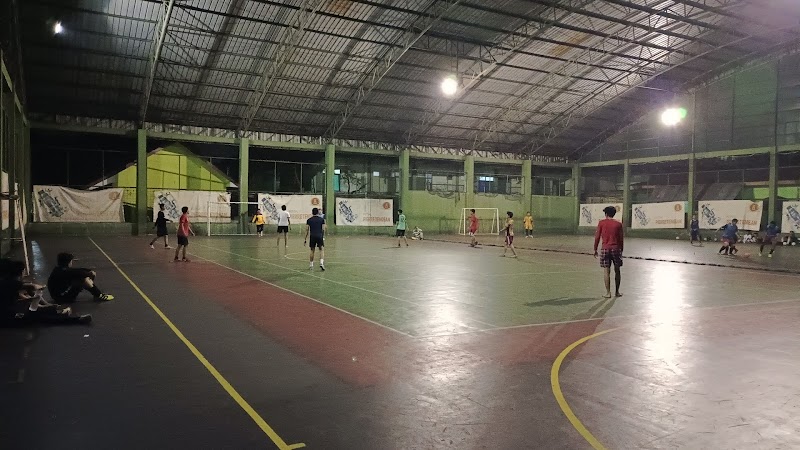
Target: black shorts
{"x": 283, "y": 229}
{"x": 161, "y": 232}
{"x": 183, "y": 240}
{"x": 695, "y": 234}
{"x": 400, "y": 233}
{"x": 67, "y": 296}
{"x": 316, "y": 242}
{"x": 259, "y": 228}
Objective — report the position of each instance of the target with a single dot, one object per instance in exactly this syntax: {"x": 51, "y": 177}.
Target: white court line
{"x": 344, "y": 284}
{"x": 306, "y": 273}
{"x": 306, "y": 297}
{"x": 628, "y": 316}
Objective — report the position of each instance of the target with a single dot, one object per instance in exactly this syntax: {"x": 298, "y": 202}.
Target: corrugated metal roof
{"x": 219, "y": 56}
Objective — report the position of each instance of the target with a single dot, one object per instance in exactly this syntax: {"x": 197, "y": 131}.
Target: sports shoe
{"x": 186, "y": 260}
{"x": 151, "y": 246}
{"x": 769, "y": 256}
{"x": 322, "y": 267}
{"x": 759, "y": 253}
{"x": 85, "y": 319}
{"x": 167, "y": 247}
{"x": 104, "y": 298}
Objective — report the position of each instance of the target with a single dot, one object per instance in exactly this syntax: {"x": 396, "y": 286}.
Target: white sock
{"x": 311, "y": 264}
{"x": 321, "y": 262}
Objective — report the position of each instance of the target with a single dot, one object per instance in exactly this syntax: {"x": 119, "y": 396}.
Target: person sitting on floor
{"x": 791, "y": 239}
{"x": 417, "y": 235}
{"x": 66, "y": 282}
{"x": 14, "y": 291}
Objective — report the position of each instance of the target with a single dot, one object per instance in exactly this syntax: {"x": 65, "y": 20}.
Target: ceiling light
{"x": 672, "y": 116}
{"x": 58, "y": 28}
{"x": 449, "y": 86}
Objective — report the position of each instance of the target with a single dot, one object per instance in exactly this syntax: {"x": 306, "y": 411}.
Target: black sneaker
{"x": 85, "y": 319}
{"x": 322, "y": 267}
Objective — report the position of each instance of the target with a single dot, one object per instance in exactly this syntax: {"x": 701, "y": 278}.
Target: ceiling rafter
{"x": 158, "y": 43}
{"x": 559, "y": 124}
{"x": 415, "y": 31}
{"x": 536, "y": 97}
{"x": 283, "y": 54}
{"x": 503, "y": 50}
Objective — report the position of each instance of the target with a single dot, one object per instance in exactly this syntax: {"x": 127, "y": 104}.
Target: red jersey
{"x": 183, "y": 225}
{"x": 611, "y": 232}
{"x": 473, "y": 223}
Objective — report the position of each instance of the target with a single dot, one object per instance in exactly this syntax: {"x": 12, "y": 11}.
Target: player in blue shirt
{"x": 694, "y": 228}
{"x": 315, "y": 229}
{"x": 770, "y": 238}
{"x": 729, "y": 238}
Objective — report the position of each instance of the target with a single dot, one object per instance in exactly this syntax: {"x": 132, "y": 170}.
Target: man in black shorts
{"x": 161, "y": 228}
{"x": 316, "y": 228}
{"x": 66, "y": 282}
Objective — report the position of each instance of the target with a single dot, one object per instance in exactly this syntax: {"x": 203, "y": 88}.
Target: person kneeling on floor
{"x": 14, "y": 291}
{"x": 417, "y": 234}
{"x": 66, "y": 282}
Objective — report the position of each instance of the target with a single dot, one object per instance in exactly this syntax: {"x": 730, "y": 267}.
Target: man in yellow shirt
{"x": 528, "y": 221}
{"x": 258, "y": 219}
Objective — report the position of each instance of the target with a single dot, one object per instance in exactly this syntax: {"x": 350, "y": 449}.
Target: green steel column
{"x": 330, "y": 195}
{"x": 469, "y": 175}
{"x": 405, "y": 175}
{"x": 690, "y": 190}
{"x": 576, "y": 192}
{"x": 527, "y": 186}
{"x": 244, "y": 180}
{"x": 141, "y": 182}
{"x": 626, "y": 193}
{"x": 773, "y": 183}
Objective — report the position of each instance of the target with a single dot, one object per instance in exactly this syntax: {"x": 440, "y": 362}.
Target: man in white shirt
{"x": 284, "y": 220}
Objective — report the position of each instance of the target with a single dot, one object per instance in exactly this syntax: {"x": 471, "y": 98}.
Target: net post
{"x": 208, "y": 221}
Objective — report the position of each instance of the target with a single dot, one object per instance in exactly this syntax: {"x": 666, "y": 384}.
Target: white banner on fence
{"x": 592, "y": 213}
{"x": 364, "y": 212}
{"x": 659, "y": 215}
{"x": 298, "y": 206}
{"x": 61, "y": 204}
{"x": 791, "y": 216}
{"x": 714, "y": 214}
{"x": 198, "y": 203}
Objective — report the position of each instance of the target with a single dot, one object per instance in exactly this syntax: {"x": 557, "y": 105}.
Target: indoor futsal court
{"x": 400, "y": 224}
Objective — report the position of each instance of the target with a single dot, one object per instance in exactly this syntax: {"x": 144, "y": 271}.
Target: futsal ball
{"x": 677, "y": 237}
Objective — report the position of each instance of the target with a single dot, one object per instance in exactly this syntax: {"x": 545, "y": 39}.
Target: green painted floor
{"x": 438, "y": 288}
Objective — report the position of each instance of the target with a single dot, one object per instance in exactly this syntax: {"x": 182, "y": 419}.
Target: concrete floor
{"x": 433, "y": 346}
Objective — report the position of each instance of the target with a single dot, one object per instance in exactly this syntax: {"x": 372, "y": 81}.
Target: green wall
{"x": 554, "y": 214}
{"x": 173, "y": 167}
{"x": 434, "y": 213}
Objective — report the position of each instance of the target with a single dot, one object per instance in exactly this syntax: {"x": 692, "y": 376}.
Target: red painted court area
{"x": 691, "y": 356}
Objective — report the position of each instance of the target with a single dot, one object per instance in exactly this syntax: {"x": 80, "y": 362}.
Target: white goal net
{"x": 488, "y": 221}
{"x": 231, "y": 218}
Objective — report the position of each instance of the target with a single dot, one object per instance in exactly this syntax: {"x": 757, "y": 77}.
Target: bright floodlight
{"x": 672, "y": 116}
{"x": 58, "y": 28}
{"x": 449, "y": 86}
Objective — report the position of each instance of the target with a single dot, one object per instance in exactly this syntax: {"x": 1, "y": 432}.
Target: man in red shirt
{"x": 473, "y": 228}
{"x": 610, "y": 231}
{"x": 184, "y": 228}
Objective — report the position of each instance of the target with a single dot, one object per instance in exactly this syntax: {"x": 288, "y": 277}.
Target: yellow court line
{"x": 279, "y": 442}
{"x": 555, "y": 383}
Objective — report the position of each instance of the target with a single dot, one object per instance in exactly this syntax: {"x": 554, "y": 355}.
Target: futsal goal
{"x": 232, "y": 218}
{"x": 488, "y": 221}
